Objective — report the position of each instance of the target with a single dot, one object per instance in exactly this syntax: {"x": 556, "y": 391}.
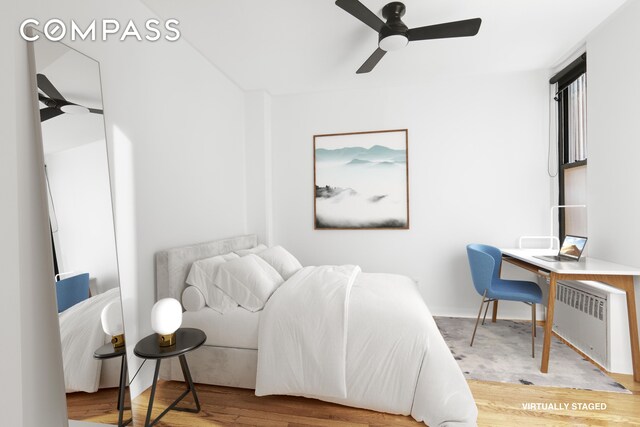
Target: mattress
{"x": 237, "y": 328}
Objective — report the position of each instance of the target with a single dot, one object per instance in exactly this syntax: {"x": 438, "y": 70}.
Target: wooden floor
{"x": 499, "y": 404}
{"x": 99, "y": 407}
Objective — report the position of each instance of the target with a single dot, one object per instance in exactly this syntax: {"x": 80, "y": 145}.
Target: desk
{"x": 616, "y": 275}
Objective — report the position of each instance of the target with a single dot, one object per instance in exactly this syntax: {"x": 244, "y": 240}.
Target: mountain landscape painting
{"x": 361, "y": 180}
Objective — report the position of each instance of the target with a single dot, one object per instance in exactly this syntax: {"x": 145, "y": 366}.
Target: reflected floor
{"x": 99, "y": 407}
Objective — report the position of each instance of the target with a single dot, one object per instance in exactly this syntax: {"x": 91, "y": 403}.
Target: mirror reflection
{"x": 82, "y": 233}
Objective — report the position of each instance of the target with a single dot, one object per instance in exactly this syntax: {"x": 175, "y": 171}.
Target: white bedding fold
{"x": 309, "y": 316}
{"x": 81, "y": 334}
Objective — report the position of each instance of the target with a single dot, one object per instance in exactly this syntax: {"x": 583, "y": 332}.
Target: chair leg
{"x": 535, "y": 321}
{"x": 478, "y": 319}
{"x": 533, "y": 330}
{"x": 485, "y": 311}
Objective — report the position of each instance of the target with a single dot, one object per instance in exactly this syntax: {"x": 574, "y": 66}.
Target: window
{"x": 571, "y": 102}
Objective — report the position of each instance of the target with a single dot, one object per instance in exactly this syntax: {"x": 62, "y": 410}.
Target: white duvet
{"x": 365, "y": 340}
{"x": 81, "y": 334}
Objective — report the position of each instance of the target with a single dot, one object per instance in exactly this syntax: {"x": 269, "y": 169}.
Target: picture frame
{"x": 361, "y": 180}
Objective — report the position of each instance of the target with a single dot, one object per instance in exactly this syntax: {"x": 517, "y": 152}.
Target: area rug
{"x": 502, "y": 352}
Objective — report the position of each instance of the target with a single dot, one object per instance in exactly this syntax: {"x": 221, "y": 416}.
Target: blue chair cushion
{"x": 515, "y": 290}
{"x": 71, "y": 291}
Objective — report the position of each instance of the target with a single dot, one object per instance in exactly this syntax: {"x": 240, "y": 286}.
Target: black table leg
{"x": 122, "y": 391}
{"x": 173, "y": 407}
{"x": 153, "y": 393}
{"x": 187, "y": 378}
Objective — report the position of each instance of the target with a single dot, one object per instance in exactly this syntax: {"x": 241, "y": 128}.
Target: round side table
{"x": 187, "y": 339}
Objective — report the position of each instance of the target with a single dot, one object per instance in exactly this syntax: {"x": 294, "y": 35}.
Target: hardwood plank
{"x": 269, "y": 410}
{"x": 499, "y": 404}
{"x": 97, "y": 407}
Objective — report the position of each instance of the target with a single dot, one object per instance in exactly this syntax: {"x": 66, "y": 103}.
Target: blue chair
{"x": 71, "y": 291}
{"x": 485, "y": 262}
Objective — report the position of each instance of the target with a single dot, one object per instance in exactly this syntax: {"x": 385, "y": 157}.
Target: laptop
{"x": 571, "y": 249}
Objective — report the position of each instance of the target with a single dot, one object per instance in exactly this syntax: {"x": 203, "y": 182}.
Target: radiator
{"x": 593, "y": 317}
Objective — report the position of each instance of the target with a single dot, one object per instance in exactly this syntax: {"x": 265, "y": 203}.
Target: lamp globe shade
{"x": 111, "y": 318}
{"x": 166, "y": 316}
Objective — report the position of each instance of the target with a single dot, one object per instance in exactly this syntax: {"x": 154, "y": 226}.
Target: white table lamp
{"x": 166, "y": 318}
{"x": 112, "y": 324}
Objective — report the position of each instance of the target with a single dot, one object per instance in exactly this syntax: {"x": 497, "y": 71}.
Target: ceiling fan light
{"x": 393, "y": 42}
{"x": 74, "y": 109}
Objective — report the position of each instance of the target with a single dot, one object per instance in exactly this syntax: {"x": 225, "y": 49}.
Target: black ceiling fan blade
{"x": 49, "y": 113}
{"x": 48, "y": 88}
{"x": 372, "y": 61}
{"x": 361, "y": 12}
{"x": 466, "y": 28}
{"x": 47, "y": 101}
{"x": 95, "y": 111}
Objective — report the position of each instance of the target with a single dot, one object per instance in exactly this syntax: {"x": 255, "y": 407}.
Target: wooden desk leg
{"x": 633, "y": 326}
{"x": 548, "y": 325}
{"x": 494, "y": 316}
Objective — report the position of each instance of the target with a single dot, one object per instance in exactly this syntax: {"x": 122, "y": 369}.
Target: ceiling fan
{"x": 56, "y": 103}
{"x": 394, "y": 34}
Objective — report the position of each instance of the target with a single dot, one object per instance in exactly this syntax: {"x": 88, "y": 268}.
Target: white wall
{"x": 477, "y": 166}
{"x": 81, "y": 194}
{"x": 258, "y": 164}
{"x": 11, "y": 368}
{"x": 613, "y": 135}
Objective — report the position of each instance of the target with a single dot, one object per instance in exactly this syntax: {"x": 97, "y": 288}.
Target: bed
{"x": 328, "y": 332}
{"x": 81, "y": 334}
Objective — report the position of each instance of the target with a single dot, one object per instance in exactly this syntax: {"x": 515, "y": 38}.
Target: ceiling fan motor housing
{"x": 393, "y": 36}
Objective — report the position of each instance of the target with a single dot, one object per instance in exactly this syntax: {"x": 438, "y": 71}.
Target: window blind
{"x": 577, "y": 119}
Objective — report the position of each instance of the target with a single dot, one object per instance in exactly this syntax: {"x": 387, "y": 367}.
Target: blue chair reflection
{"x": 72, "y": 290}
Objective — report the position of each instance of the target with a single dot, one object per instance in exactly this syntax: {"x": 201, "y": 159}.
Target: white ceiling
{"x": 289, "y": 46}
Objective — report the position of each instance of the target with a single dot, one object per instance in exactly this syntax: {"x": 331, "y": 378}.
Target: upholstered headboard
{"x": 172, "y": 265}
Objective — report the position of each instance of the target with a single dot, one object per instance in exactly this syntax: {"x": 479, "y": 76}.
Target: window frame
{"x": 563, "y": 79}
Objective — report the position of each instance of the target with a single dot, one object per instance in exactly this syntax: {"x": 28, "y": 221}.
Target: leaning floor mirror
{"x": 82, "y": 233}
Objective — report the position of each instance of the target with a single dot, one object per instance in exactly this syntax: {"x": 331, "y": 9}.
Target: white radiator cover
{"x": 592, "y": 317}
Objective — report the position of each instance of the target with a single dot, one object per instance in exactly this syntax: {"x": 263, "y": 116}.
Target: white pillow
{"x": 280, "y": 259}
{"x": 254, "y": 250}
{"x": 250, "y": 281}
{"x": 202, "y": 276}
{"x": 193, "y": 299}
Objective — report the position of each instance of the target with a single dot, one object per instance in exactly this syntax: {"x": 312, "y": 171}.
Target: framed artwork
{"x": 361, "y": 180}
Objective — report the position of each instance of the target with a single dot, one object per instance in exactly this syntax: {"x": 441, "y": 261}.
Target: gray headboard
{"x": 172, "y": 265}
